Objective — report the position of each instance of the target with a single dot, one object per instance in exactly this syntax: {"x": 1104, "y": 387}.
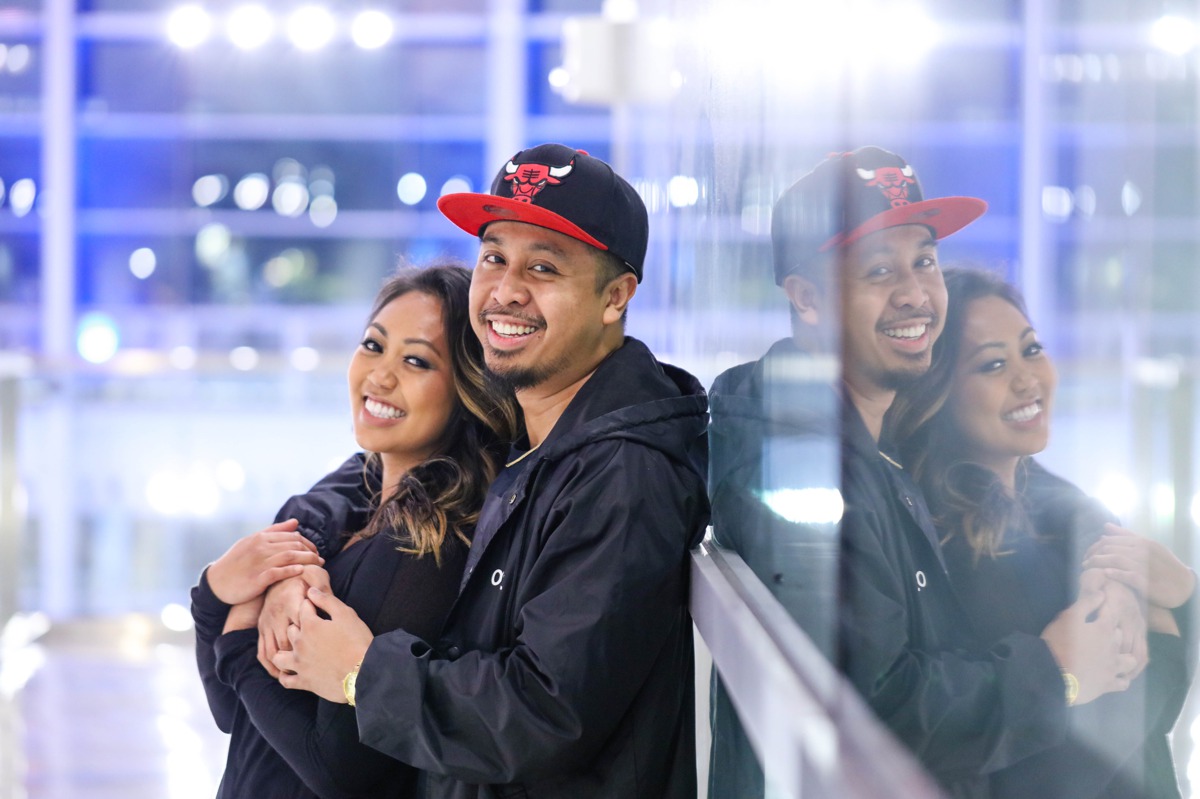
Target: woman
{"x": 436, "y": 430}
{"x": 1017, "y": 539}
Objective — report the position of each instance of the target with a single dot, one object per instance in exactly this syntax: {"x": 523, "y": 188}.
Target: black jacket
{"x": 773, "y": 435}
{"x": 565, "y": 668}
{"x": 1116, "y": 746}
{"x": 966, "y": 707}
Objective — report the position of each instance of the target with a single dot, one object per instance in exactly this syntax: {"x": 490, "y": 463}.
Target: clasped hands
{"x": 1128, "y": 586}
{"x": 274, "y": 580}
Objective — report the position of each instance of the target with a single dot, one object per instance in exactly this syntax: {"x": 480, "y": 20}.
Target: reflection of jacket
{"x": 1116, "y": 745}
{"x": 965, "y": 708}
{"x": 565, "y": 668}
{"x": 774, "y": 431}
{"x": 773, "y": 434}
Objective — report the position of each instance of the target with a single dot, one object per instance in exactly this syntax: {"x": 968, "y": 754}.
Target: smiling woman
{"x": 433, "y": 427}
{"x": 1020, "y": 544}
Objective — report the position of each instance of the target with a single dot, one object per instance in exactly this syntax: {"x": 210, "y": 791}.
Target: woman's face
{"x": 401, "y": 387}
{"x": 1003, "y": 387}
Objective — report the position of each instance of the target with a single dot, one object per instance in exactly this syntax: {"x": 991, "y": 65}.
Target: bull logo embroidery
{"x": 892, "y": 181}
{"x": 529, "y": 179}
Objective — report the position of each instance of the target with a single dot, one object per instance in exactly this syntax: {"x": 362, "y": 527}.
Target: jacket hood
{"x": 632, "y": 396}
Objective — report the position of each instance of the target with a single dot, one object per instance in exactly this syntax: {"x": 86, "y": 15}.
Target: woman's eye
{"x": 418, "y": 362}
{"x": 992, "y": 366}
{"x": 1034, "y": 349}
{"x": 371, "y": 345}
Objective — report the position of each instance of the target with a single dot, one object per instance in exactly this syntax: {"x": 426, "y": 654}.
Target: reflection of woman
{"x": 1015, "y": 538}
{"x": 435, "y": 429}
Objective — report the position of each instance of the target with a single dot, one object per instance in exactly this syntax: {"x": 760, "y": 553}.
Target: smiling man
{"x": 565, "y": 668}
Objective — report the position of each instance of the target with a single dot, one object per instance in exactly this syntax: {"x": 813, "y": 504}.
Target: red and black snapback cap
{"x": 565, "y": 190}
{"x": 849, "y": 195}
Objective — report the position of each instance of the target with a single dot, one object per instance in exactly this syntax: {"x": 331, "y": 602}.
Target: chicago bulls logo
{"x": 892, "y": 181}
{"x": 529, "y": 179}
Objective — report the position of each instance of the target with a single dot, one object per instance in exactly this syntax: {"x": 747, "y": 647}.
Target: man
{"x": 859, "y": 221}
{"x": 565, "y": 669}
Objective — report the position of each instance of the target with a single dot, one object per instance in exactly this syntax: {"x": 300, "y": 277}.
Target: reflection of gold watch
{"x": 1070, "y": 681}
{"x": 348, "y": 683}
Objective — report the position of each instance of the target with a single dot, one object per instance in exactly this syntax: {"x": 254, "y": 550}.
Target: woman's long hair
{"x": 441, "y": 497}
{"x": 965, "y": 498}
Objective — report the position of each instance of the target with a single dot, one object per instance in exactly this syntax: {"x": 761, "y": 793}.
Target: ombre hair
{"x": 440, "y": 498}
{"x": 965, "y": 498}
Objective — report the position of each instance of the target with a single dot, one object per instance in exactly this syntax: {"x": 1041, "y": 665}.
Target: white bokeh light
{"x": 142, "y": 262}
{"x": 97, "y": 339}
{"x": 252, "y": 191}
{"x": 176, "y": 617}
{"x": 372, "y": 29}
{"x": 189, "y": 26}
{"x": 1173, "y": 34}
{"x": 249, "y": 27}
{"x": 19, "y": 58}
{"x": 182, "y": 357}
{"x": 231, "y": 475}
{"x": 310, "y": 27}
{"x": 323, "y": 210}
{"x": 455, "y": 185}
{"x": 209, "y": 189}
{"x": 1118, "y": 493}
{"x": 411, "y": 188}
{"x": 290, "y": 198}
{"x": 243, "y": 359}
{"x": 21, "y": 196}
{"x": 305, "y": 359}
{"x": 683, "y": 191}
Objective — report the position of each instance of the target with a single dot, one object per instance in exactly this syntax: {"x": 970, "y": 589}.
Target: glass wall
{"x": 177, "y": 371}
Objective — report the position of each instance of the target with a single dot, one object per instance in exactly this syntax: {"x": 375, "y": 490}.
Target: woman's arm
{"x": 1147, "y": 567}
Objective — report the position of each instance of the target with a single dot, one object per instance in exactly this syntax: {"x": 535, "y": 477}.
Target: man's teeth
{"x": 913, "y": 332}
{"x": 381, "y": 411}
{"x": 505, "y": 329}
{"x": 1024, "y": 414}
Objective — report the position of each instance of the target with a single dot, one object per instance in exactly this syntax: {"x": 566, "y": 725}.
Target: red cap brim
{"x": 472, "y": 211}
{"x": 942, "y": 215}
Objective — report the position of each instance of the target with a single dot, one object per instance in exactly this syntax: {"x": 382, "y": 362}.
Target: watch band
{"x": 1071, "y": 684}
{"x": 349, "y": 683}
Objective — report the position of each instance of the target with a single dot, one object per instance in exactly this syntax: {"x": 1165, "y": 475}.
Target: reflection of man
{"x": 565, "y": 669}
{"x": 897, "y": 631}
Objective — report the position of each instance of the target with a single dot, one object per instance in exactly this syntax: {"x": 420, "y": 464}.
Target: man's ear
{"x": 617, "y": 295}
{"x": 802, "y": 294}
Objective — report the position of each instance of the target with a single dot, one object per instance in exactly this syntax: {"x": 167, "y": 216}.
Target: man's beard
{"x": 517, "y": 378}
{"x": 898, "y": 379}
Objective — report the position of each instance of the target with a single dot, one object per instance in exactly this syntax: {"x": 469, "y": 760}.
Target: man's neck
{"x": 871, "y": 406}
{"x": 542, "y": 408}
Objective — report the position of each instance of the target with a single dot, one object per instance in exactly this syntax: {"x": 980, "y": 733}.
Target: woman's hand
{"x": 1144, "y": 565}
{"x": 1086, "y": 641}
{"x": 323, "y": 651}
{"x": 259, "y": 560}
{"x": 243, "y": 616}
{"x": 281, "y": 609}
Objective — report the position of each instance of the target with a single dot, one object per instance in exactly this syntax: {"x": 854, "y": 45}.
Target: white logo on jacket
{"x": 498, "y": 578}
{"x": 920, "y": 580}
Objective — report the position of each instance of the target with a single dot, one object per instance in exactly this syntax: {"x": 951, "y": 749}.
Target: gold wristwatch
{"x": 348, "y": 683}
{"x": 1070, "y": 681}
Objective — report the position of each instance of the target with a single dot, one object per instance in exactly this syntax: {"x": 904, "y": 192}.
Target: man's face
{"x": 535, "y": 307}
{"x": 893, "y": 306}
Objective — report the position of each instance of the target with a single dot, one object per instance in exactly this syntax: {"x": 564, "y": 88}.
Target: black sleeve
{"x": 340, "y": 501}
{"x": 604, "y": 602}
{"x": 318, "y": 739}
{"x": 209, "y": 614}
{"x": 961, "y": 712}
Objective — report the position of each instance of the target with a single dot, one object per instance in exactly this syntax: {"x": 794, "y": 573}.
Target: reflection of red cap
{"x": 565, "y": 190}
{"x": 849, "y": 195}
